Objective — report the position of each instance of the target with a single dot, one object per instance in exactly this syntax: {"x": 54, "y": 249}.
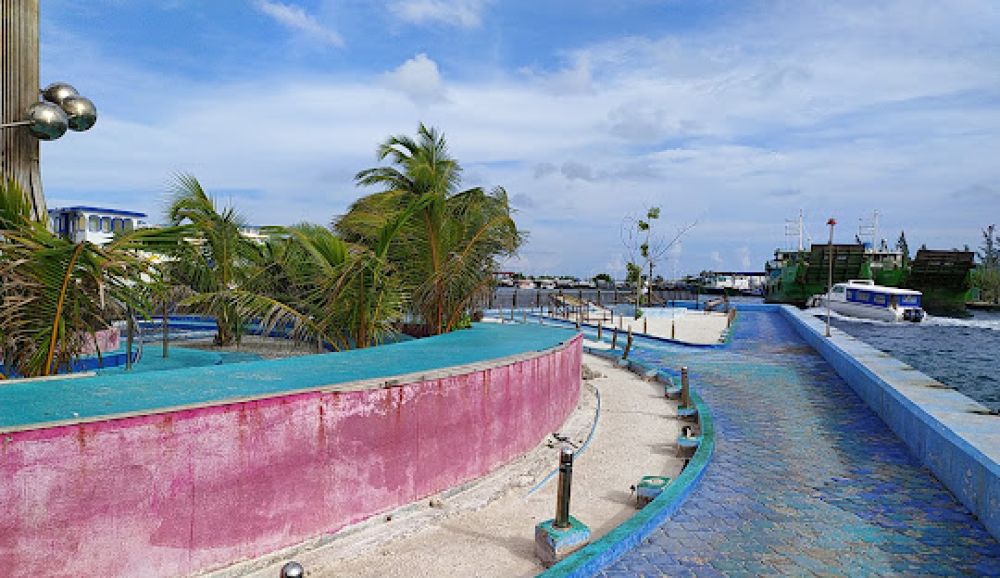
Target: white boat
{"x": 865, "y": 299}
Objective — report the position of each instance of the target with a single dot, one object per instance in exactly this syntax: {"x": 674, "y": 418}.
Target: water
{"x": 962, "y": 353}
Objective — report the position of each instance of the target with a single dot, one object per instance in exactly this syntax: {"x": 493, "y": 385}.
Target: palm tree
{"x": 446, "y": 250}
{"x": 351, "y": 289}
{"x": 54, "y": 293}
{"x": 223, "y": 268}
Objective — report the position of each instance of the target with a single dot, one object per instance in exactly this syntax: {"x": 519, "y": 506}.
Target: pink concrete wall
{"x": 192, "y": 489}
{"x": 106, "y": 339}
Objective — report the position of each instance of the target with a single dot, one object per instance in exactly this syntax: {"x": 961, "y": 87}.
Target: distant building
{"x": 95, "y": 224}
{"x": 742, "y": 281}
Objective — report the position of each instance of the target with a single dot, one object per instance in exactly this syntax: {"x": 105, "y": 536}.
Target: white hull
{"x": 862, "y": 311}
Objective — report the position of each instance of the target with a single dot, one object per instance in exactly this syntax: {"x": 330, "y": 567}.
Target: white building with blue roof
{"x": 95, "y": 224}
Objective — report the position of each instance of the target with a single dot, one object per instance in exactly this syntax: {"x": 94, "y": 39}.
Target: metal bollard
{"x": 600, "y": 326}
{"x": 292, "y": 570}
{"x": 645, "y": 325}
{"x": 628, "y": 344}
{"x": 614, "y": 337}
{"x": 565, "y": 483}
{"x": 685, "y": 389}
{"x": 673, "y": 328}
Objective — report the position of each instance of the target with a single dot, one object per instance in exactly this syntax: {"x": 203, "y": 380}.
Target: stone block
{"x": 552, "y": 544}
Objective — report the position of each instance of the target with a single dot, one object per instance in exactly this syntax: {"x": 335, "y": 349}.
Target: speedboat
{"x": 865, "y": 299}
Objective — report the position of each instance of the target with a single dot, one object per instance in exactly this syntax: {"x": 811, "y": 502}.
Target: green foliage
{"x": 989, "y": 254}
{"x": 633, "y": 273}
{"x": 903, "y": 247}
{"x": 446, "y": 250}
{"x": 986, "y": 277}
{"x": 987, "y": 281}
{"x": 603, "y": 277}
{"x": 55, "y": 293}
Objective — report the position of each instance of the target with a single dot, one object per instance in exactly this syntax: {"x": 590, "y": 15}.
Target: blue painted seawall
{"x": 944, "y": 429}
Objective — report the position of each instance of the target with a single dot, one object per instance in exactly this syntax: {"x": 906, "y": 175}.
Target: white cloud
{"x": 461, "y": 13}
{"x": 419, "y": 79}
{"x": 713, "y": 126}
{"x": 297, "y": 19}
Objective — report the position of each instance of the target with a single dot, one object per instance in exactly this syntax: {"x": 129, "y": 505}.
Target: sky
{"x": 731, "y": 116}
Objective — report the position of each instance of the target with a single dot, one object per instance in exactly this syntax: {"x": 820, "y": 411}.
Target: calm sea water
{"x": 962, "y": 353}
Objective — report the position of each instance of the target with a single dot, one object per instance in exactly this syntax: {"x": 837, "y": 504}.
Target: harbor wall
{"x": 949, "y": 433}
{"x": 179, "y": 491}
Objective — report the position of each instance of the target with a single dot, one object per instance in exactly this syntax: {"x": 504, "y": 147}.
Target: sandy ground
{"x": 486, "y": 528}
{"x": 266, "y": 347}
{"x": 695, "y": 327}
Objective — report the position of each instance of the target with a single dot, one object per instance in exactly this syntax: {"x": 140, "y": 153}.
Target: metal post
{"x": 514, "y": 299}
{"x": 614, "y": 337}
{"x": 165, "y": 330}
{"x": 628, "y": 343}
{"x": 685, "y": 388}
{"x": 645, "y": 325}
{"x": 129, "y": 337}
{"x": 565, "y": 483}
{"x": 673, "y": 328}
{"x": 829, "y": 279}
{"x": 600, "y": 326}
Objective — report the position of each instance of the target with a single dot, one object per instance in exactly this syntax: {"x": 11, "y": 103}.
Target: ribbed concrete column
{"x": 19, "y": 153}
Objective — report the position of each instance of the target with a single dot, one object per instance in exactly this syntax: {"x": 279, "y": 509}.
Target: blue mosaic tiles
{"x": 805, "y": 479}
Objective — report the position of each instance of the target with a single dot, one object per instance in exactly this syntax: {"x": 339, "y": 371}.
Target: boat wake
{"x": 988, "y": 321}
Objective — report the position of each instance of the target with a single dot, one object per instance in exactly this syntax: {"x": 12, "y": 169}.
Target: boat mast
{"x": 795, "y": 229}
{"x": 870, "y": 229}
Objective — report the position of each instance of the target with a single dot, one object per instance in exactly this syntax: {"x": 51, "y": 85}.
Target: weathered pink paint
{"x": 106, "y": 339}
{"x": 178, "y": 492}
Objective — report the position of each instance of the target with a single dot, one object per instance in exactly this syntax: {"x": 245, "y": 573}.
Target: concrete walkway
{"x": 487, "y": 528}
{"x": 805, "y": 480}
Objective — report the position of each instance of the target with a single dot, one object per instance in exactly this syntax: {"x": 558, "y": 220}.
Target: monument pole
{"x": 19, "y": 82}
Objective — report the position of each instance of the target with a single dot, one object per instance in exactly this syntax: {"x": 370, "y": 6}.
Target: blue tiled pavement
{"x": 805, "y": 480}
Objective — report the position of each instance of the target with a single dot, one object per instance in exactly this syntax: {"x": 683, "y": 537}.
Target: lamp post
{"x": 829, "y": 278}
{"x": 31, "y": 119}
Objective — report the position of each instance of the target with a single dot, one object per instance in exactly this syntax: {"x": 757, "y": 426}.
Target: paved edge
{"x": 613, "y": 545}
{"x": 943, "y": 429}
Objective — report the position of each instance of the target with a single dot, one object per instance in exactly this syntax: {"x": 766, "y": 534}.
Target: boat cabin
{"x": 867, "y": 293}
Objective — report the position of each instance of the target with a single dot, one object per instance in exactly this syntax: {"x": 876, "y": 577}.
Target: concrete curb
{"x": 613, "y": 545}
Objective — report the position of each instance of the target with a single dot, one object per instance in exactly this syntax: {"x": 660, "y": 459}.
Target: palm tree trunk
{"x": 165, "y": 331}
{"x": 59, "y": 307}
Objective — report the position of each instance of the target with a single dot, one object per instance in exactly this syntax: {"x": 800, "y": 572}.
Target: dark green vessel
{"x": 795, "y": 276}
{"x": 945, "y": 279}
{"x": 942, "y": 276}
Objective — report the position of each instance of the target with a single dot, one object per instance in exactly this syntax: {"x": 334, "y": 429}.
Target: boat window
{"x": 81, "y": 223}
{"x": 95, "y": 223}
{"x": 864, "y": 296}
{"x": 879, "y": 300}
{"x": 910, "y": 299}
{"x": 106, "y": 224}
{"x": 117, "y": 225}
{"x": 838, "y": 288}
{"x": 129, "y": 225}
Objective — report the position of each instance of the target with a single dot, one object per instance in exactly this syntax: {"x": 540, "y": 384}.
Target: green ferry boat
{"x": 795, "y": 275}
{"x": 942, "y": 276}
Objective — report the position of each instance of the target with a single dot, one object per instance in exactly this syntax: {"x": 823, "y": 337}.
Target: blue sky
{"x": 734, "y": 115}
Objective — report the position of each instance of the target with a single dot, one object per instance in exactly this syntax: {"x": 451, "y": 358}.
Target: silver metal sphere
{"x": 57, "y": 92}
{"x": 80, "y": 112}
{"x": 292, "y": 570}
{"x": 48, "y": 121}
